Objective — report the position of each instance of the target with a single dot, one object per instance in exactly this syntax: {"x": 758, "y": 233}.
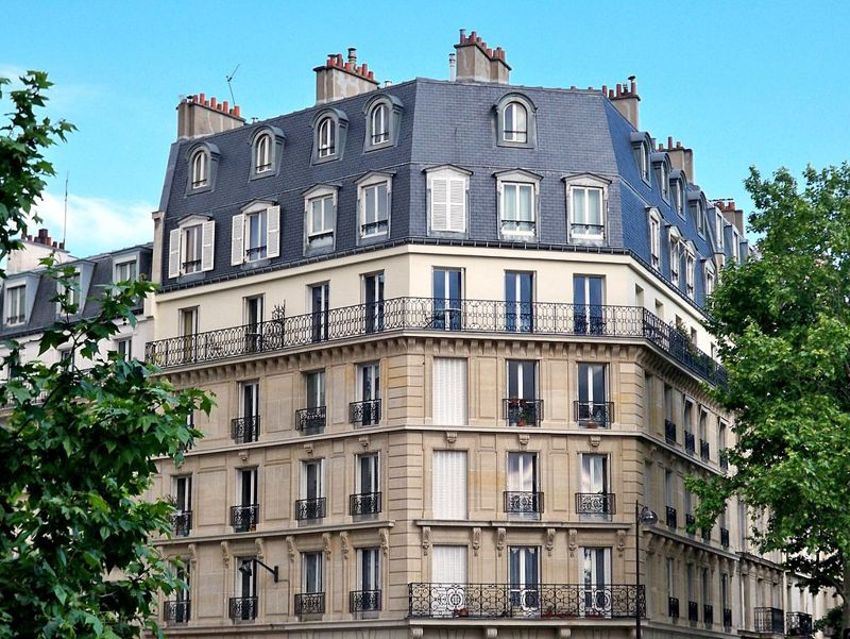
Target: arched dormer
{"x": 266, "y": 150}
{"x": 678, "y": 184}
{"x": 516, "y": 121}
{"x": 383, "y": 121}
{"x": 660, "y": 162}
{"x": 697, "y": 206}
{"x": 641, "y": 148}
{"x": 202, "y": 159}
{"x": 330, "y": 127}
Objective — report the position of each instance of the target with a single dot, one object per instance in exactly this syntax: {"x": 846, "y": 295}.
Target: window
{"x": 449, "y": 566}
{"x": 447, "y": 293}
{"x": 374, "y": 201}
{"x": 368, "y": 579}
{"x": 736, "y": 247}
{"x": 699, "y": 213}
{"x": 664, "y": 180}
{"x": 71, "y": 290}
{"x": 244, "y": 606}
{"x": 595, "y": 498}
{"x": 124, "y": 348}
{"x": 593, "y": 408}
{"x": 320, "y": 311}
{"x": 321, "y": 215}
{"x": 192, "y": 236}
{"x": 249, "y": 411}
{"x": 188, "y": 321}
{"x": 449, "y": 391}
{"x": 710, "y": 279}
{"x": 675, "y": 257}
{"x": 447, "y": 187}
{"x": 244, "y": 515}
{"x": 640, "y": 149}
{"x": 16, "y": 297}
{"x": 315, "y": 383}
{"x": 678, "y": 197}
{"x": 523, "y": 496}
{"x": 524, "y": 575}
{"x": 126, "y": 271}
{"x": 522, "y": 405}
{"x": 311, "y": 506}
{"x": 256, "y": 227}
{"x": 655, "y": 240}
{"x": 518, "y": 208}
{"x": 200, "y": 169}
{"x": 248, "y": 487}
{"x": 379, "y": 122}
{"x": 669, "y": 489}
{"x": 312, "y": 578}
{"x": 719, "y": 227}
{"x": 191, "y": 247}
{"x": 326, "y": 137}
{"x": 588, "y": 299}
{"x": 182, "y": 495}
{"x": 596, "y": 577}
{"x": 179, "y": 610}
{"x": 448, "y": 488}
{"x": 515, "y": 123}
{"x": 587, "y": 222}
{"x": 253, "y": 314}
{"x": 367, "y": 481}
{"x": 367, "y": 411}
{"x": 263, "y": 153}
{"x": 671, "y": 577}
{"x": 519, "y": 302}
{"x": 690, "y": 268}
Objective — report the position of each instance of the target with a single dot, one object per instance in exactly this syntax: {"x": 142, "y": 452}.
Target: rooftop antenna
{"x": 228, "y": 79}
{"x": 65, "y": 223}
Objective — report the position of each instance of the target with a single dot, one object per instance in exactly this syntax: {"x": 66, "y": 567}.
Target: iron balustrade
{"x": 429, "y": 314}
{"x": 523, "y": 502}
{"x": 690, "y": 524}
{"x": 523, "y": 412}
{"x": 704, "y": 450}
{"x": 673, "y": 607}
{"x": 255, "y": 253}
{"x": 690, "y": 446}
{"x": 243, "y": 518}
{"x": 770, "y": 620}
{"x": 724, "y": 537}
{"x": 310, "y": 508}
{"x": 693, "y": 611}
{"x": 311, "y": 420}
{"x": 533, "y": 601}
{"x": 727, "y": 617}
{"x": 181, "y": 523}
{"x": 245, "y": 430}
{"x": 309, "y": 603}
{"x": 595, "y": 503}
{"x": 192, "y": 266}
{"x": 364, "y": 600}
{"x": 177, "y": 611}
{"x": 594, "y": 414}
{"x": 708, "y": 614}
{"x": 365, "y": 413}
{"x": 670, "y": 431}
{"x": 798, "y": 624}
{"x": 672, "y": 519}
{"x": 243, "y": 608}
{"x": 365, "y": 503}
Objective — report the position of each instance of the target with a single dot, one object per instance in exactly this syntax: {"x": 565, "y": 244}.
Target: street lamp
{"x": 646, "y": 516}
{"x": 247, "y": 568}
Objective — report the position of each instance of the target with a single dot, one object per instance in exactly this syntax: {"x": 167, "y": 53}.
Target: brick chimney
{"x": 681, "y": 157}
{"x": 478, "y": 63}
{"x": 627, "y": 101}
{"x": 35, "y": 248}
{"x": 732, "y": 214}
{"x": 337, "y": 79}
{"x": 197, "y": 116}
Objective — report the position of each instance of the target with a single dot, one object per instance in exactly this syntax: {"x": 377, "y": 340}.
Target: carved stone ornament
{"x": 290, "y": 547}
{"x": 550, "y": 540}
{"x": 501, "y": 538}
{"x": 225, "y": 553}
{"x": 326, "y": 544}
{"x": 451, "y": 437}
{"x": 621, "y": 541}
{"x": 343, "y": 543}
{"x": 572, "y": 542}
{"x": 476, "y": 540}
{"x": 384, "y": 536}
{"x": 426, "y": 540}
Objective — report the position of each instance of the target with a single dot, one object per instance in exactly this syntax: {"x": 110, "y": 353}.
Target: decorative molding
{"x": 260, "y": 544}
{"x": 225, "y": 553}
{"x": 451, "y": 436}
{"x": 308, "y": 448}
{"x": 550, "y": 540}
{"x": 491, "y": 633}
{"x": 501, "y": 537}
{"x": 416, "y": 632}
{"x": 193, "y": 555}
{"x": 326, "y": 544}
{"x": 621, "y": 542}
{"x": 426, "y": 540}
{"x": 290, "y": 547}
{"x": 523, "y": 439}
{"x": 384, "y": 536}
{"x": 363, "y": 440}
{"x": 595, "y": 440}
{"x": 476, "y": 540}
{"x": 572, "y": 542}
{"x": 343, "y": 543}
{"x": 243, "y": 455}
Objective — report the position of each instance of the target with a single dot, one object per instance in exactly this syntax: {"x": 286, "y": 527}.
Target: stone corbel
{"x": 326, "y": 544}
{"x": 343, "y": 543}
{"x": 595, "y": 440}
{"x": 416, "y": 632}
{"x": 384, "y": 536}
{"x": 491, "y": 633}
{"x": 523, "y": 438}
{"x": 621, "y": 542}
{"x": 260, "y": 545}
{"x": 426, "y": 540}
{"x": 225, "y": 553}
{"x": 451, "y": 437}
{"x": 363, "y": 440}
{"x": 193, "y": 556}
{"x": 550, "y": 540}
{"x": 572, "y": 542}
{"x": 290, "y": 547}
{"x": 243, "y": 455}
{"x": 308, "y": 448}
{"x": 476, "y": 540}
{"x": 501, "y": 538}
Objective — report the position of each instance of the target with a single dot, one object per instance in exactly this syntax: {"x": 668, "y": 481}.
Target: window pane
{"x": 578, "y": 206}
{"x": 370, "y": 212}
{"x": 510, "y": 202}
{"x": 382, "y": 213}
{"x": 525, "y": 203}
{"x": 594, "y": 206}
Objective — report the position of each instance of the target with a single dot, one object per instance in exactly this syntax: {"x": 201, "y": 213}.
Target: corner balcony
{"x": 485, "y": 317}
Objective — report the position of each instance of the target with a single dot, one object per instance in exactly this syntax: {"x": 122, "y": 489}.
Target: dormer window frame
{"x": 199, "y": 231}
{"x": 370, "y": 226}
{"x": 581, "y": 229}
{"x": 709, "y": 278}
{"x": 324, "y": 200}
{"x": 29, "y": 281}
{"x": 267, "y": 144}
{"x": 678, "y": 193}
{"x": 690, "y": 269}
{"x": 259, "y": 220}
{"x": 200, "y": 167}
{"x": 330, "y": 127}
{"x": 675, "y": 246}
{"x": 448, "y": 201}
{"x": 641, "y": 146}
{"x": 16, "y": 292}
{"x": 661, "y": 161}
{"x": 655, "y": 222}
{"x": 202, "y": 159}
{"x": 120, "y": 262}
{"x": 720, "y": 231}
{"x": 391, "y": 109}
{"x": 512, "y": 188}
{"x": 510, "y": 111}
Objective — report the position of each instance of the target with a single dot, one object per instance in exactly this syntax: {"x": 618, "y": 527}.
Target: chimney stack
{"x": 452, "y": 67}
{"x": 36, "y": 247}
{"x": 478, "y": 63}
{"x": 197, "y": 116}
{"x": 627, "y": 101}
{"x": 681, "y": 158}
{"x": 337, "y": 79}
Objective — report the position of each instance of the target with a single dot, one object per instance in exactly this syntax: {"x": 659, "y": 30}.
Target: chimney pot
{"x": 203, "y": 98}
{"x": 633, "y": 87}
{"x": 364, "y": 69}
{"x": 226, "y": 106}
{"x": 236, "y": 110}
{"x": 604, "y": 89}
{"x": 669, "y": 141}
{"x": 678, "y": 144}
{"x": 462, "y": 35}
{"x": 352, "y": 55}
{"x": 213, "y": 103}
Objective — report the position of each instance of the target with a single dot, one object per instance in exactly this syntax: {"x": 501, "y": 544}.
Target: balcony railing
{"x": 798, "y": 624}
{"x": 769, "y": 620}
{"x": 365, "y": 413}
{"x": 364, "y": 600}
{"x": 543, "y": 601}
{"x": 243, "y": 608}
{"x": 244, "y": 518}
{"x": 693, "y": 611}
{"x": 708, "y": 614}
{"x": 672, "y": 519}
{"x": 673, "y": 607}
{"x": 310, "y": 508}
{"x": 523, "y": 412}
{"x": 365, "y": 503}
{"x": 174, "y": 612}
{"x": 427, "y": 314}
{"x": 704, "y": 450}
{"x": 724, "y": 537}
{"x": 244, "y": 430}
{"x": 706, "y": 534}
{"x": 181, "y": 523}
{"x": 690, "y": 524}
{"x": 310, "y": 420}
{"x": 690, "y": 446}
{"x": 670, "y": 431}
{"x": 309, "y": 603}
{"x": 594, "y": 414}
{"x": 523, "y": 502}
{"x": 595, "y": 503}
{"x": 727, "y": 617}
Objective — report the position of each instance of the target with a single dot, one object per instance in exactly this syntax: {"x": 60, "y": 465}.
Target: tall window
{"x": 373, "y": 298}
{"x": 655, "y": 241}
{"x": 249, "y": 412}
{"x": 367, "y": 480}
{"x": 522, "y": 406}
{"x": 523, "y": 495}
{"x": 710, "y": 279}
{"x": 379, "y": 122}
{"x": 594, "y": 475}
{"x": 312, "y": 488}
{"x": 246, "y": 590}
{"x": 248, "y": 487}
{"x": 596, "y": 577}
{"x": 192, "y": 247}
{"x": 327, "y": 137}
{"x": 369, "y": 578}
{"x": 447, "y": 191}
{"x": 671, "y": 578}
{"x": 320, "y": 311}
{"x": 374, "y": 209}
{"x": 515, "y": 123}
{"x": 188, "y": 327}
{"x": 519, "y": 302}
{"x": 369, "y": 395}
{"x": 593, "y": 408}
{"x": 200, "y": 170}
{"x": 182, "y": 516}
{"x": 690, "y": 276}
{"x": 124, "y": 348}
{"x": 180, "y": 609}
{"x": 449, "y": 566}
{"x": 524, "y": 575}
{"x": 588, "y": 298}
{"x": 263, "y": 154}
{"x": 448, "y": 300}
{"x": 16, "y": 305}
{"x": 449, "y": 391}
{"x": 678, "y": 197}
{"x": 448, "y": 484}
{"x": 320, "y": 221}
{"x": 587, "y": 215}
{"x": 675, "y": 259}
{"x": 518, "y": 208}
{"x": 315, "y": 382}
{"x": 256, "y": 225}
{"x": 312, "y": 580}
{"x": 253, "y": 311}
{"x": 664, "y": 180}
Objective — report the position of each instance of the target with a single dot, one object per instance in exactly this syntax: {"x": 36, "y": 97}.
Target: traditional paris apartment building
{"x": 454, "y": 332}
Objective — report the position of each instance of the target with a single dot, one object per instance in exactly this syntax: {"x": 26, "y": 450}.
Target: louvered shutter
{"x": 457, "y": 205}
{"x": 208, "y": 246}
{"x": 174, "y": 253}
{"x": 449, "y": 392}
{"x": 273, "y": 231}
{"x": 448, "y": 484}
{"x": 237, "y": 240}
{"x": 439, "y": 204}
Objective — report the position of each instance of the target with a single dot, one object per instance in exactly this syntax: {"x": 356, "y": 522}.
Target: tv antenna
{"x": 65, "y": 223}
{"x": 228, "y": 79}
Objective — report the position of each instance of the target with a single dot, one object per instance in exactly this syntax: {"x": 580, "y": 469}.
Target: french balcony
{"x": 243, "y": 608}
{"x": 690, "y": 446}
{"x": 425, "y": 314}
{"x": 365, "y": 413}
{"x": 523, "y": 502}
{"x": 311, "y": 421}
{"x": 704, "y": 450}
{"x": 670, "y": 431}
{"x": 799, "y": 624}
{"x": 673, "y": 607}
{"x": 539, "y": 601}
{"x": 523, "y": 412}
{"x": 727, "y": 618}
{"x": 244, "y": 518}
{"x": 724, "y": 537}
{"x": 177, "y": 612}
{"x": 769, "y": 620}
{"x": 181, "y": 523}
{"x": 595, "y": 504}
{"x": 309, "y": 604}
{"x": 310, "y": 509}
{"x": 693, "y": 611}
{"x": 672, "y": 519}
{"x": 365, "y": 504}
{"x": 245, "y": 430}
{"x": 364, "y": 601}
{"x": 708, "y": 614}
{"x": 594, "y": 414}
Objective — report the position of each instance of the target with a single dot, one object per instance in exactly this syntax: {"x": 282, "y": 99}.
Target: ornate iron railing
{"x": 365, "y": 503}
{"x": 595, "y": 503}
{"x": 365, "y": 413}
{"x": 523, "y": 412}
{"x": 727, "y": 617}
{"x": 594, "y": 414}
{"x": 673, "y": 607}
{"x": 690, "y": 445}
{"x": 244, "y": 518}
{"x": 672, "y": 519}
{"x": 708, "y": 614}
{"x": 523, "y": 502}
{"x": 244, "y": 430}
{"x": 243, "y": 608}
{"x": 693, "y": 611}
{"x": 177, "y": 611}
{"x": 181, "y": 523}
{"x": 770, "y": 620}
{"x": 704, "y": 450}
{"x": 428, "y": 314}
{"x": 364, "y": 600}
{"x": 310, "y": 508}
{"x": 543, "y": 601}
{"x": 309, "y": 603}
{"x": 670, "y": 431}
{"x": 798, "y": 624}
{"x": 311, "y": 420}
{"x": 724, "y": 537}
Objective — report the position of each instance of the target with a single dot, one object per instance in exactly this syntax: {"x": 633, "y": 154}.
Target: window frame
{"x": 329, "y": 135}
{"x": 501, "y": 125}
{"x": 199, "y": 175}
{"x": 450, "y": 174}
{"x": 641, "y": 148}
{"x": 655, "y": 239}
{"x": 709, "y": 278}
{"x": 585, "y": 182}
{"x": 21, "y": 316}
{"x": 675, "y": 256}
{"x": 690, "y": 269}
{"x": 373, "y": 180}
{"x": 518, "y": 179}
{"x": 209, "y": 168}
{"x": 326, "y": 194}
{"x": 392, "y": 108}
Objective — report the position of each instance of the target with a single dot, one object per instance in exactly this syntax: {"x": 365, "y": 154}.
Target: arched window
{"x": 327, "y": 137}
{"x": 379, "y": 122}
{"x": 515, "y": 123}
{"x": 263, "y": 154}
{"x": 200, "y": 171}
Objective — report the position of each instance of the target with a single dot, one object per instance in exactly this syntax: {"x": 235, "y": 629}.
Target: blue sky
{"x": 742, "y": 83}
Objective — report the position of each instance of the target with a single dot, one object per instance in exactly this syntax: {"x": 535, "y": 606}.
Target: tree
{"x": 77, "y": 445}
{"x": 783, "y": 323}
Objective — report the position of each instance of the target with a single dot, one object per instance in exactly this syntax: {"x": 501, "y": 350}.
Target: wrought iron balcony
{"x": 244, "y": 430}
{"x": 672, "y": 520}
{"x": 174, "y": 612}
{"x": 690, "y": 524}
{"x": 594, "y": 414}
{"x": 244, "y": 518}
{"x": 310, "y": 420}
{"x": 673, "y": 607}
{"x": 690, "y": 446}
{"x": 693, "y": 611}
{"x": 364, "y": 600}
{"x": 365, "y": 413}
{"x": 243, "y": 608}
{"x": 799, "y": 624}
{"x": 724, "y": 537}
{"x": 523, "y": 502}
{"x": 670, "y": 431}
{"x": 310, "y": 508}
{"x": 427, "y": 314}
{"x": 542, "y": 601}
{"x": 727, "y": 617}
{"x": 365, "y": 503}
{"x": 708, "y": 614}
{"x": 309, "y": 603}
{"x": 595, "y": 503}
{"x": 769, "y": 620}
{"x": 523, "y": 412}
{"x": 704, "y": 450}
{"x": 181, "y": 523}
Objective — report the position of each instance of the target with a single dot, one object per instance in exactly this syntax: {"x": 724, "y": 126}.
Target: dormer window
{"x": 380, "y": 124}
{"x": 329, "y": 129}
{"x": 690, "y": 272}
{"x": 710, "y": 278}
{"x": 374, "y": 195}
{"x": 263, "y": 154}
{"x": 518, "y": 203}
{"x": 191, "y": 250}
{"x": 70, "y": 288}
{"x": 191, "y": 246}
{"x": 200, "y": 169}
{"x": 255, "y": 233}
{"x": 320, "y": 219}
{"x": 16, "y": 297}
{"x": 644, "y": 162}
{"x": 447, "y": 200}
{"x": 202, "y": 159}
{"x": 699, "y": 212}
{"x": 678, "y": 197}
{"x": 675, "y": 255}
{"x": 266, "y": 149}
{"x": 640, "y": 149}
{"x": 515, "y": 121}
{"x": 383, "y": 118}
{"x": 655, "y": 239}
{"x": 327, "y": 138}
{"x": 587, "y": 198}
{"x": 126, "y": 271}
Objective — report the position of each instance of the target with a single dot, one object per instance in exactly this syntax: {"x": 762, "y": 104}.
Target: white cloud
{"x": 95, "y": 225}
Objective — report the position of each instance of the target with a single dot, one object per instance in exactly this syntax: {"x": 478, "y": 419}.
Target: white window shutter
{"x": 208, "y": 246}
{"x": 439, "y": 204}
{"x": 174, "y": 253}
{"x": 449, "y": 392}
{"x": 448, "y": 488}
{"x": 457, "y": 205}
{"x": 237, "y": 240}
{"x": 273, "y": 231}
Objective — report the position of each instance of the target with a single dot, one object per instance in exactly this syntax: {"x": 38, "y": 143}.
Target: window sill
{"x": 515, "y": 145}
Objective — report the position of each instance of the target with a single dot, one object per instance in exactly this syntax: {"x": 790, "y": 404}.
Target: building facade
{"x": 454, "y": 332}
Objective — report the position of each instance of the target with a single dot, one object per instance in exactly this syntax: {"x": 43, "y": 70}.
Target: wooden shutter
{"x": 448, "y": 484}
{"x": 439, "y": 204}
{"x": 457, "y": 205}
{"x": 208, "y": 246}
{"x": 237, "y": 240}
{"x": 449, "y": 392}
{"x": 174, "y": 253}
{"x": 273, "y": 231}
